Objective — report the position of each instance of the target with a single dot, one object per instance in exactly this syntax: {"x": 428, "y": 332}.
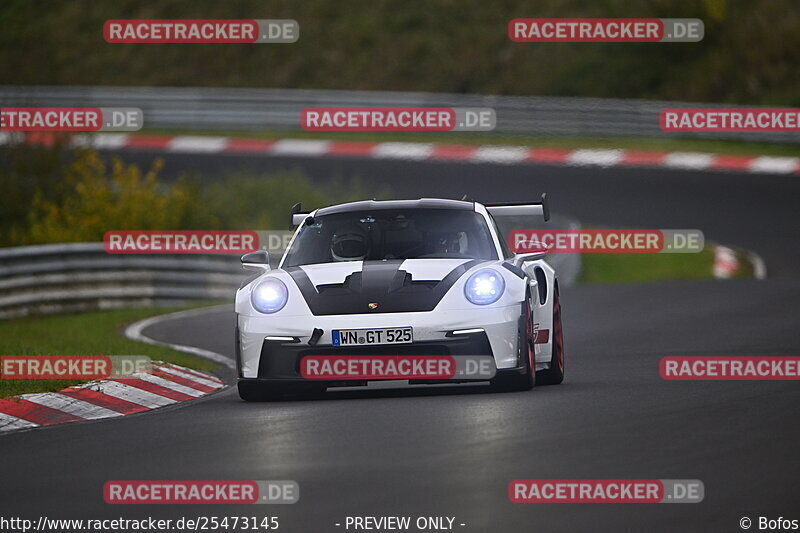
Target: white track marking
{"x": 132, "y": 394}
{"x": 8, "y": 422}
{"x": 725, "y": 262}
{"x": 500, "y": 154}
{"x": 134, "y": 332}
{"x": 161, "y": 382}
{"x": 102, "y": 141}
{"x": 403, "y": 150}
{"x": 72, "y": 406}
{"x": 775, "y": 165}
{"x": 197, "y": 144}
{"x": 602, "y": 158}
{"x": 299, "y": 147}
{"x": 191, "y": 377}
{"x": 759, "y": 266}
{"x": 194, "y": 374}
{"x": 689, "y": 160}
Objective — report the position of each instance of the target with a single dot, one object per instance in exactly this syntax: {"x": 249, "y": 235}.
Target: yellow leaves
{"x": 117, "y": 196}
{"x": 716, "y": 9}
{"x": 78, "y": 196}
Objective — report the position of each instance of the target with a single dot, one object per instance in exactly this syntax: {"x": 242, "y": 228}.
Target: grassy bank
{"x": 92, "y": 333}
{"x": 749, "y": 53}
{"x": 633, "y": 268}
{"x": 639, "y": 268}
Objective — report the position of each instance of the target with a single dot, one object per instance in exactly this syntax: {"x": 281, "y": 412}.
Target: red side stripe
{"x": 542, "y": 336}
{"x": 248, "y": 145}
{"x": 40, "y": 138}
{"x": 731, "y": 162}
{"x": 351, "y": 148}
{"x": 183, "y": 381}
{"x": 548, "y": 155}
{"x": 635, "y": 158}
{"x": 459, "y": 152}
{"x": 148, "y": 141}
{"x": 33, "y": 412}
{"x": 155, "y": 389}
{"x": 104, "y": 400}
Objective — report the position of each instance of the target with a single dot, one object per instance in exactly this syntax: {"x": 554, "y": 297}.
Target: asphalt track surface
{"x": 453, "y": 451}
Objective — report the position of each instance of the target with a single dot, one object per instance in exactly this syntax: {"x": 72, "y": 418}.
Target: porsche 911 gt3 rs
{"x": 427, "y": 277}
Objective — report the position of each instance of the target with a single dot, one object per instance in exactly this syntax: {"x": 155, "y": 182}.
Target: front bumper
{"x": 280, "y": 361}
{"x": 259, "y": 358}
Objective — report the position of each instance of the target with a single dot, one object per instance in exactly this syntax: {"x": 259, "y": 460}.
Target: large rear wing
{"x": 511, "y": 209}
{"x": 521, "y": 209}
{"x": 298, "y": 215}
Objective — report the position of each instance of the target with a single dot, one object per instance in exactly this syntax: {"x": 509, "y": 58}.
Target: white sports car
{"x": 428, "y": 277}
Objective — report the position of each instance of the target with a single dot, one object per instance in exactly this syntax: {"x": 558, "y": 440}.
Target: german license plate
{"x": 367, "y": 337}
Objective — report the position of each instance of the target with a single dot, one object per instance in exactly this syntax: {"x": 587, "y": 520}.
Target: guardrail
{"x": 59, "y": 278}
{"x": 258, "y": 109}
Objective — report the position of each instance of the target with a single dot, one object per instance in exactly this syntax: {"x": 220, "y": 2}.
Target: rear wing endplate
{"x": 521, "y": 209}
{"x": 298, "y": 215}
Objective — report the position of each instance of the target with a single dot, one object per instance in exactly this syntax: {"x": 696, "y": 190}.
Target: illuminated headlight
{"x": 269, "y": 296}
{"x": 484, "y": 287}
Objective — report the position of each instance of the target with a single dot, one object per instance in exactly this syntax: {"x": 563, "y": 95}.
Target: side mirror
{"x": 258, "y": 260}
{"x": 533, "y": 252}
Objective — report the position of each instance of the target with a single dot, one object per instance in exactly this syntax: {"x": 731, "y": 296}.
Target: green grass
{"x": 731, "y": 147}
{"x": 91, "y": 333}
{"x": 637, "y": 268}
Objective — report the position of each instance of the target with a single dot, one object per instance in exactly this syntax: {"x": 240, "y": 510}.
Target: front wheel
{"x": 524, "y": 380}
{"x": 555, "y": 374}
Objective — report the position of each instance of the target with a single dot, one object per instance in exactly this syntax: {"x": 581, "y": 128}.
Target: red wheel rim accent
{"x": 558, "y": 335}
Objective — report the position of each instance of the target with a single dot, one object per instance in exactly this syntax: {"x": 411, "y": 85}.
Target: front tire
{"x": 555, "y": 374}
{"x": 525, "y": 380}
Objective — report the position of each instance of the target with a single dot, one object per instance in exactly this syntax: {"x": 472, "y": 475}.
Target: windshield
{"x": 392, "y": 234}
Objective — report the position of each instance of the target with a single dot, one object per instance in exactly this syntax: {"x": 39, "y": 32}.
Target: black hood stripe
{"x": 378, "y": 282}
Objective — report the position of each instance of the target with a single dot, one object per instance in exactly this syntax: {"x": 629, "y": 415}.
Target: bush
{"x": 48, "y": 195}
{"x": 121, "y": 197}
{"x": 749, "y": 54}
{"x": 26, "y": 172}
